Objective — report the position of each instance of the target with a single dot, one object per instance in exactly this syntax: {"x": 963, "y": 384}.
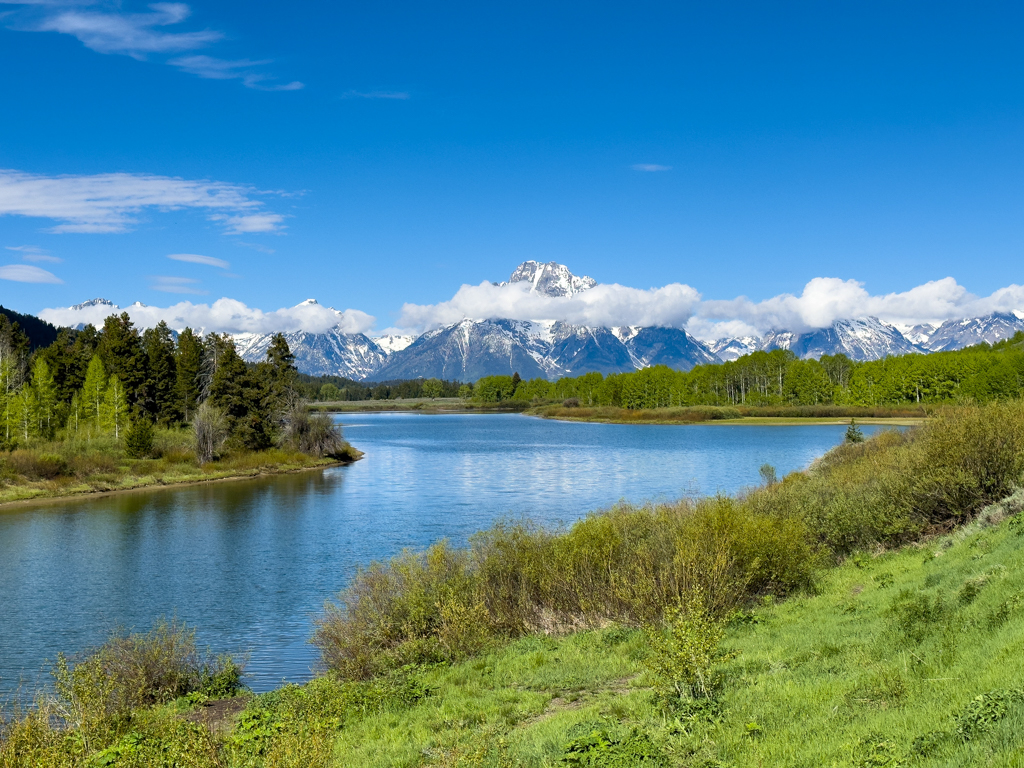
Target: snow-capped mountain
{"x": 551, "y": 279}
{"x": 866, "y": 339}
{"x": 332, "y": 353}
{"x": 956, "y": 334}
{"x": 393, "y": 342}
{"x": 731, "y": 349}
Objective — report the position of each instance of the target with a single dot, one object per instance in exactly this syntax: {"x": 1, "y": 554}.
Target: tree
{"x": 115, "y": 408}
{"x": 432, "y": 388}
{"x": 188, "y": 367}
{"x": 161, "y": 374}
{"x": 46, "y": 398}
{"x": 121, "y": 350}
{"x": 242, "y": 397}
{"x": 138, "y": 443}
{"x": 466, "y": 391}
{"x": 853, "y": 433}
{"x": 94, "y": 390}
{"x": 26, "y": 413}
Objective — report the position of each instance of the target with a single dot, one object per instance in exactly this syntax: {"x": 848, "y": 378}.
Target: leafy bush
{"x": 984, "y": 711}
{"x": 601, "y": 750}
{"x": 209, "y": 431}
{"x": 37, "y": 466}
{"x": 685, "y": 653}
{"x": 314, "y": 434}
{"x": 138, "y": 443}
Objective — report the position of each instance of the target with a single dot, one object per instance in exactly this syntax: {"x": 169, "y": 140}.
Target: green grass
{"x": 828, "y": 679}
{"x": 711, "y": 414}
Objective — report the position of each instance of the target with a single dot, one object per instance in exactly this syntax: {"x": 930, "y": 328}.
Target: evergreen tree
{"x": 94, "y": 390}
{"x": 280, "y": 372}
{"x": 138, "y": 443}
{"x": 242, "y": 397}
{"x": 188, "y": 366}
{"x": 46, "y": 398}
{"x": 115, "y": 408}
{"x": 123, "y": 356}
{"x": 161, "y": 374}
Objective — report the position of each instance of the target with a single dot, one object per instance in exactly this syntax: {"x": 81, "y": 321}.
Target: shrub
{"x": 315, "y": 434}
{"x": 209, "y": 431}
{"x": 138, "y": 443}
{"x": 37, "y": 466}
{"x": 684, "y": 653}
{"x": 571, "y": 402}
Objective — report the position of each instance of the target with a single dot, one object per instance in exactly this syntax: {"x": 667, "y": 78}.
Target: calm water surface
{"x": 249, "y": 563}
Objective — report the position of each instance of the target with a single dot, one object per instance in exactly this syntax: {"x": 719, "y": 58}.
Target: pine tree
{"x": 115, "y": 408}
{"x": 280, "y": 372}
{"x": 94, "y": 390}
{"x": 121, "y": 349}
{"x": 160, "y": 374}
{"x": 188, "y": 365}
{"x": 46, "y": 398}
{"x": 242, "y": 396}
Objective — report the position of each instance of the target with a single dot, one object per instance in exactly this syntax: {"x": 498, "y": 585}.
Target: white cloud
{"x": 195, "y": 258}
{"x": 140, "y": 35}
{"x": 34, "y": 253}
{"x": 398, "y": 95}
{"x": 23, "y": 273}
{"x": 222, "y": 316}
{"x": 249, "y": 223}
{"x": 110, "y": 202}
{"x": 211, "y": 68}
{"x": 177, "y": 285}
{"x": 651, "y": 167}
{"x": 602, "y": 305}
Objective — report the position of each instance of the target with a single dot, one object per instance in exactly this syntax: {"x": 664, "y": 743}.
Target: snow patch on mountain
{"x": 392, "y": 343}
{"x": 551, "y": 279}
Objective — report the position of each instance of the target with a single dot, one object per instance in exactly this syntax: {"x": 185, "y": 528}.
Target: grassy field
{"x": 72, "y": 468}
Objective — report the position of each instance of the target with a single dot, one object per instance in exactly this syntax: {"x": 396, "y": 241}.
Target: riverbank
{"x": 419, "y": 405}
{"x": 765, "y": 416}
{"x": 30, "y": 477}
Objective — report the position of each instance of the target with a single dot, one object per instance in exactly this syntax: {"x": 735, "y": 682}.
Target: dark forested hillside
{"x": 39, "y": 332}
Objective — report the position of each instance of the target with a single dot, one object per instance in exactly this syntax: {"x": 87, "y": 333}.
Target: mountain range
{"x": 472, "y": 348}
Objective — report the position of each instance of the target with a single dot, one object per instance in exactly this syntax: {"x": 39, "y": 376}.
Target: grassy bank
{"x": 867, "y": 612}
{"x": 710, "y": 414}
{"x": 78, "y": 467}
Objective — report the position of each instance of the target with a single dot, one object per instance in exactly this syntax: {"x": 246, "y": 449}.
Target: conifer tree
{"x": 280, "y": 372}
{"x": 94, "y": 390}
{"x": 121, "y": 349}
{"x": 188, "y": 365}
{"x": 160, "y": 374}
{"x": 115, "y": 408}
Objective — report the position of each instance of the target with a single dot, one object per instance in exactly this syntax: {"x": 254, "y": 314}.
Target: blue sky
{"x": 376, "y": 154}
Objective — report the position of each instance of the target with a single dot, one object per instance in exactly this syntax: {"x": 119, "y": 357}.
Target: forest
{"x": 100, "y": 383}
{"x": 981, "y": 374}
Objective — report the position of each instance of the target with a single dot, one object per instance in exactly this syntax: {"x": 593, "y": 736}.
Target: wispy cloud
{"x": 223, "y": 316}
{"x": 140, "y": 35}
{"x": 651, "y": 167}
{"x": 195, "y": 258}
{"x": 34, "y": 253}
{"x": 211, "y": 68}
{"x": 24, "y": 273}
{"x": 400, "y": 95}
{"x": 176, "y": 285}
{"x": 111, "y": 202}
{"x": 249, "y": 223}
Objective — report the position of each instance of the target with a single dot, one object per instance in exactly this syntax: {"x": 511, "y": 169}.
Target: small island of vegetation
{"x": 115, "y": 409}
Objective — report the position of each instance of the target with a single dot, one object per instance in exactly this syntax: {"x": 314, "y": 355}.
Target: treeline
{"x": 338, "y": 388}
{"x": 94, "y": 382}
{"x": 982, "y": 373}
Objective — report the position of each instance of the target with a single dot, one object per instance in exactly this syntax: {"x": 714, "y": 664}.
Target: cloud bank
{"x": 108, "y": 30}
{"x": 222, "y": 316}
{"x": 111, "y": 202}
{"x": 824, "y": 300}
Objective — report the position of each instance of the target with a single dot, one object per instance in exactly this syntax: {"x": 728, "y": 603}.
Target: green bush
{"x": 138, "y": 443}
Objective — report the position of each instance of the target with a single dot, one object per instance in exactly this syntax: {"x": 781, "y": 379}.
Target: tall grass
{"x": 629, "y": 564}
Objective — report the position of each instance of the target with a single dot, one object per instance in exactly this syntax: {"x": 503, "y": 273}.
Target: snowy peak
{"x": 551, "y": 279}
{"x": 956, "y": 334}
{"x": 103, "y": 303}
{"x": 393, "y": 343}
{"x": 731, "y": 349}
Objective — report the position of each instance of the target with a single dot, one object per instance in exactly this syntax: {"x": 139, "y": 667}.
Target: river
{"x": 250, "y": 562}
